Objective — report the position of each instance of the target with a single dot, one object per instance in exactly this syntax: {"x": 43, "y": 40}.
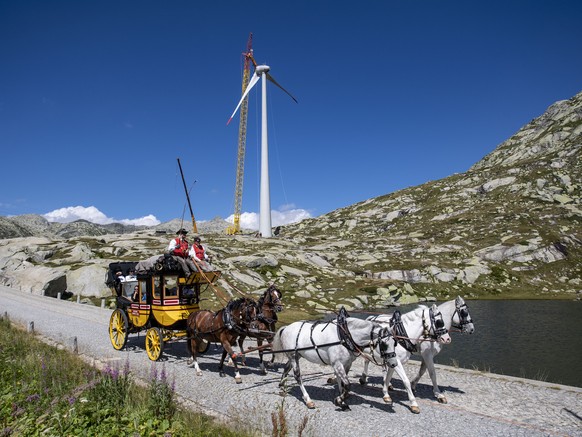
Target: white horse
{"x": 338, "y": 343}
{"x": 454, "y": 314}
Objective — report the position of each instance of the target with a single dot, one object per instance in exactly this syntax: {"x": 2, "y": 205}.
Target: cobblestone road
{"x": 478, "y": 403}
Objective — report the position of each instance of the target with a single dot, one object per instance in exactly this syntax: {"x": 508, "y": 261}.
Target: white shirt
{"x": 192, "y": 253}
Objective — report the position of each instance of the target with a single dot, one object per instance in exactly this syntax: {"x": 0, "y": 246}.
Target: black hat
{"x": 197, "y": 239}
{"x": 182, "y": 231}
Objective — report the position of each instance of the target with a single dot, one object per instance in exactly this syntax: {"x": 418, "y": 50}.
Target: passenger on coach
{"x": 200, "y": 256}
{"x": 178, "y": 248}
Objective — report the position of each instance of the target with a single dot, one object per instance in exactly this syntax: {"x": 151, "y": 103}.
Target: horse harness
{"x": 400, "y": 332}
{"x": 228, "y": 319}
{"x": 345, "y": 339}
{"x": 437, "y": 325}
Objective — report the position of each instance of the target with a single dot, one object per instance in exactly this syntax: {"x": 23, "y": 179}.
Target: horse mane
{"x": 236, "y": 303}
{"x": 261, "y": 300}
{"x": 415, "y": 313}
{"x": 357, "y": 322}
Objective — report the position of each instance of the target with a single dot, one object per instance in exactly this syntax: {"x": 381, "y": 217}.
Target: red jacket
{"x": 181, "y": 248}
{"x": 199, "y": 251}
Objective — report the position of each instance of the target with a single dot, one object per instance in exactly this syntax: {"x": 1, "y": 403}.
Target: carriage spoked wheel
{"x": 203, "y": 346}
{"x": 118, "y": 329}
{"x": 154, "y": 343}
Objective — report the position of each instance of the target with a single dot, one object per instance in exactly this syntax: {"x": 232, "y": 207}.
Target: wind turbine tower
{"x": 262, "y": 72}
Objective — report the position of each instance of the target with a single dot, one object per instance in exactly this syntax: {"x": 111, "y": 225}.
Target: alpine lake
{"x": 533, "y": 339}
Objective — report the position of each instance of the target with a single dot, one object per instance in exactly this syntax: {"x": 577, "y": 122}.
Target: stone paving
{"x": 478, "y": 403}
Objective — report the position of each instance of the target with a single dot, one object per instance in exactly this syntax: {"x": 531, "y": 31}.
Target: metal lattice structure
{"x": 242, "y": 139}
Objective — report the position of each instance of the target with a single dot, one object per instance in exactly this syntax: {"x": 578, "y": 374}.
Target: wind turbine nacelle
{"x": 262, "y": 69}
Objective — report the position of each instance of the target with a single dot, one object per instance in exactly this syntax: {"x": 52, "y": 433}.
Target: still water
{"x": 535, "y": 339}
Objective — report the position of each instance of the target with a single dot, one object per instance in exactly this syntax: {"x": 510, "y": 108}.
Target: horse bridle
{"x": 276, "y": 303}
{"x": 463, "y": 312}
{"x": 246, "y": 305}
{"x": 383, "y": 346}
{"x": 437, "y": 325}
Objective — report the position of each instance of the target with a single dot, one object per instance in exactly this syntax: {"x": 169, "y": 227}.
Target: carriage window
{"x": 157, "y": 288}
{"x": 128, "y": 287}
{"x": 171, "y": 286}
{"x": 143, "y": 290}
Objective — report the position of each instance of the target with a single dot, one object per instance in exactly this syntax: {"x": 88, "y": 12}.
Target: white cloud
{"x": 93, "y": 215}
{"x": 286, "y": 215}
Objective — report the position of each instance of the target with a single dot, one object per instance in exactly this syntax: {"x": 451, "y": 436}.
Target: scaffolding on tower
{"x": 242, "y": 139}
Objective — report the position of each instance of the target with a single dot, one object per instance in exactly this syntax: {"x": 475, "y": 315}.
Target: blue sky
{"x": 99, "y": 98}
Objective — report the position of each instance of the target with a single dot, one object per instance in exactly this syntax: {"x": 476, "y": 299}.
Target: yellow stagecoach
{"x": 157, "y": 301}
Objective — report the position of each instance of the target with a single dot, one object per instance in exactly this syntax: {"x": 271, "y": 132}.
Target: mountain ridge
{"x": 509, "y": 226}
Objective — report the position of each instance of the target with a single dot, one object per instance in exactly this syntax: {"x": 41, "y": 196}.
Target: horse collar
{"x": 400, "y": 332}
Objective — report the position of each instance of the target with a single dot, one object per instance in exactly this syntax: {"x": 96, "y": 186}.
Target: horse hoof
{"x": 388, "y": 400}
{"x": 311, "y": 405}
{"x": 199, "y": 373}
{"x": 331, "y": 380}
{"x": 222, "y": 374}
{"x": 415, "y": 410}
{"x": 390, "y": 387}
{"x": 190, "y": 361}
{"x": 442, "y": 400}
{"x": 238, "y": 380}
{"x": 263, "y": 372}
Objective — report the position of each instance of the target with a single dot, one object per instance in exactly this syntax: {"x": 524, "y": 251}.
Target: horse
{"x": 337, "y": 343}
{"x": 206, "y": 325}
{"x": 263, "y": 327}
{"x": 454, "y": 314}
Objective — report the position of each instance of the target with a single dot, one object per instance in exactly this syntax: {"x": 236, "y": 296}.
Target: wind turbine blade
{"x": 251, "y": 84}
{"x": 276, "y": 83}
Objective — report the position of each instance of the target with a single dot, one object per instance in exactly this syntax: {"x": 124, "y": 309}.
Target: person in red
{"x": 178, "y": 248}
{"x": 199, "y": 255}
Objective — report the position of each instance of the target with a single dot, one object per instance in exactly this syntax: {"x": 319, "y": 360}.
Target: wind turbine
{"x": 262, "y": 72}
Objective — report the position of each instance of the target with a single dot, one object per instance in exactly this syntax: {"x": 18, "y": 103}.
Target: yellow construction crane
{"x": 242, "y": 139}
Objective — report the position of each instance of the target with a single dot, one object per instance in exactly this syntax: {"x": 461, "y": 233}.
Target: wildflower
{"x": 33, "y": 398}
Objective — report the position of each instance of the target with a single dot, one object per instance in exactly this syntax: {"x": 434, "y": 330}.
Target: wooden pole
{"x": 194, "y": 228}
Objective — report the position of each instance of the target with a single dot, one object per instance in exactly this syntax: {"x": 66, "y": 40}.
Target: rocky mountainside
{"x": 30, "y": 225}
{"x": 509, "y": 227}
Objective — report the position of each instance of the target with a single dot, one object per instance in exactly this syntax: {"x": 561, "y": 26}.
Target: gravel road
{"x": 478, "y": 403}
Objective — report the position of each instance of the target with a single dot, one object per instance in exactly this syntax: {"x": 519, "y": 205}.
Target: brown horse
{"x": 263, "y": 327}
{"x": 209, "y": 326}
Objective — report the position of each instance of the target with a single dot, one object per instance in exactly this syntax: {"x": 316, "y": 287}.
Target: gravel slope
{"x": 479, "y": 404}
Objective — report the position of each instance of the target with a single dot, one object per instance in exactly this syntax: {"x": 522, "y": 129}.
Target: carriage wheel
{"x": 118, "y": 329}
{"x": 203, "y": 346}
{"x": 154, "y": 343}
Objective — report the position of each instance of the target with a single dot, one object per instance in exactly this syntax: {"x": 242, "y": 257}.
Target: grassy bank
{"x": 46, "y": 391}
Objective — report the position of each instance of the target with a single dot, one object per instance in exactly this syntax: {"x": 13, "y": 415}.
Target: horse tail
{"x": 277, "y": 346}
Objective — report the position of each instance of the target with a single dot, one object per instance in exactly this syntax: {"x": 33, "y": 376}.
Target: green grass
{"x": 46, "y": 391}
